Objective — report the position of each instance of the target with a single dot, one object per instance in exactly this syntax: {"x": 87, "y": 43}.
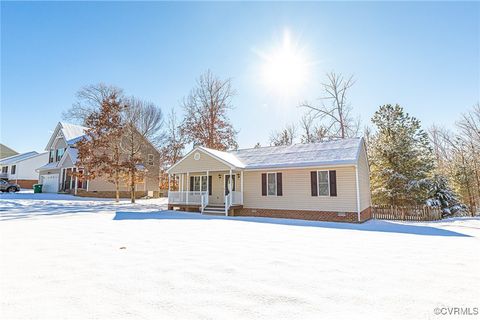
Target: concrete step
{"x": 215, "y": 212}
{"x": 214, "y": 209}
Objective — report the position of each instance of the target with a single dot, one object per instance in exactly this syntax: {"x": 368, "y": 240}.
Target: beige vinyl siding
{"x": 59, "y": 143}
{"x": 151, "y": 181}
{"x": 206, "y": 162}
{"x": 364, "y": 180}
{"x": 297, "y": 191}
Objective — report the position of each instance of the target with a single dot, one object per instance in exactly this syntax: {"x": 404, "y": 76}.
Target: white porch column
{"x": 181, "y": 182}
{"x": 168, "y": 188}
{"x": 188, "y": 184}
{"x": 87, "y": 184}
{"x": 208, "y": 186}
{"x": 241, "y": 184}
{"x": 230, "y": 186}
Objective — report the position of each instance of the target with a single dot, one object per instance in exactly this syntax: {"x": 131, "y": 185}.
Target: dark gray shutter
{"x": 333, "y": 183}
{"x": 279, "y": 184}
{"x": 264, "y": 184}
{"x": 313, "y": 183}
{"x": 191, "y": 183}
{"x": 209, "y": 185}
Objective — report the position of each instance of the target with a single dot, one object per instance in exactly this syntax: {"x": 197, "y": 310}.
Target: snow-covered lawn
{"x": 63, "y": 257}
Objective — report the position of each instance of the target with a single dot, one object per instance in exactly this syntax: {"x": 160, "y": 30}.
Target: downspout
{"x": 358, "y": 193}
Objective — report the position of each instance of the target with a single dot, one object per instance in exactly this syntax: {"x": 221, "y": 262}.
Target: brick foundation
{"x": 25, "y": 184}
{"x": 305, "y": 214}
{"x": 112, "y": 194}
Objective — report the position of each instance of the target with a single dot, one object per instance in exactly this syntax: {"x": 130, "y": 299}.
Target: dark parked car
{"x": 6, "y": 186}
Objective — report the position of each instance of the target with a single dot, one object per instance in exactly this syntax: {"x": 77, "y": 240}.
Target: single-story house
{"x": 318, "y": 181}
{"x": 20, "y": 168}
{"x": 56, "y": 173}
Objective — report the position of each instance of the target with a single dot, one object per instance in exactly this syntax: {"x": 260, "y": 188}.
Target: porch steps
{"x": 214, "y": 209}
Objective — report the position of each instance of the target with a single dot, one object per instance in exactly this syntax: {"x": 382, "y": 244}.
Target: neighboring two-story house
{"x": 20, "y": 168}
{"x": 57, "y": 174}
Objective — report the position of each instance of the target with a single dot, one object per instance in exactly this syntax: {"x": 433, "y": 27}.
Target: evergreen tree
{"x": 400, "y": 156}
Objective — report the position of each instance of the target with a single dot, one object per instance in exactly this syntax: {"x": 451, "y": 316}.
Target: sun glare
{"x": 285, "y": 68}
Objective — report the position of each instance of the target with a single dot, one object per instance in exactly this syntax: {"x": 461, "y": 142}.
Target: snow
{"x": 64, "y": 257}
{"x": 225, "y": 156}
{"x": 342, "y": 151}
{"x": 19, "y": 157}
{"x": 72, "y": 132}
{"x": 335, "y": 152}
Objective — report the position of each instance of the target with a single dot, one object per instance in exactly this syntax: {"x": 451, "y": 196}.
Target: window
{"x": 150, "y": 159}
{"x": 323, "y": 183}
{"x": 60, "y": 153}
{"x": 4, "y": 169}
{"x": 13, "y": 169}
{"x": 272, "y": 184}
{"x": 200, "y": 183}
{"x": 51, "y": 156}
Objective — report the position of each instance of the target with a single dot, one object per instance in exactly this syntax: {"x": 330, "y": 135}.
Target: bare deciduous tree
{"x": 311, "y": 133}
{"x": 334, "y": 109}
{"x": 284, "y": 137}
{"x": 172, "y": 149}
{"x": 90, "y": 99}
{"x": 206, "y": 121}
{"x": 148, "y": 119}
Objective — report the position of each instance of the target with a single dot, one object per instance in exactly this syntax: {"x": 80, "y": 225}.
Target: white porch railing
{"x": 237, "y": 197}
{"x": 233, "y": 198}
{"x": 187, "y": 197}
{"x": 204, "y": 201}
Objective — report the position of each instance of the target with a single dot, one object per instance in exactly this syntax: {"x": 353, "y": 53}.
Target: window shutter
{"x": 333, "y": 183}
{"x": 191, "y": 183}
{"x": 279, "y": 184}
{"x": 209, "y": 185}
{"x": 313, "y": 183}
{"x": 264, "y": 184}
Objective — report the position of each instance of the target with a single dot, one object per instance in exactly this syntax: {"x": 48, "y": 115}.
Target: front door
{"x": 227, "y": 181}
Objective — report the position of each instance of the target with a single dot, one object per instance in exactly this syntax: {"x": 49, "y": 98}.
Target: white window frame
{"x": 276, "y": 190}
{"x": 328, "y": 183}
{"x": 201, "y": 178}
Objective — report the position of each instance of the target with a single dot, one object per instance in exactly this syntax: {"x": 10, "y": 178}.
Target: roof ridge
{"x": 298, "y": 144}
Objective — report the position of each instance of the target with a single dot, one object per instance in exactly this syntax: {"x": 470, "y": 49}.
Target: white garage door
{"x": 50, "y": 183}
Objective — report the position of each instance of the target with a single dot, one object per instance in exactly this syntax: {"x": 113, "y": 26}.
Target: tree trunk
{"x": 117, "y": 187}
{"x": 132, "y": 187}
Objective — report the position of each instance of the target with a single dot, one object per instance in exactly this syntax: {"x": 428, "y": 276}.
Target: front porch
{"x": 207, "y": 192}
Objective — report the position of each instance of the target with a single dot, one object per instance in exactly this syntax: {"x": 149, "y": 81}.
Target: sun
{"x": 285, "y": 68}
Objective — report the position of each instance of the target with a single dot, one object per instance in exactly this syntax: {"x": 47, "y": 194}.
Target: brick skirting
{"x": 112, "y": 194}
{"x": 25, "y": 184}
{"x": 305, "y": 214}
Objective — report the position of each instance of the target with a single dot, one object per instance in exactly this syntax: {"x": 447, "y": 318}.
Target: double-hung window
{"x": 323, "y": 183}
{"x": 200, "y": 183}
{"x": 272, "y": 184}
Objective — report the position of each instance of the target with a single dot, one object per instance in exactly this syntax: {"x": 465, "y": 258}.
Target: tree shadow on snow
{"x": 371, "y": 225}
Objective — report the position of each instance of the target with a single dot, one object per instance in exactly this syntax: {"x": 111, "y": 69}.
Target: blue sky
{"x": 424, "y": 56}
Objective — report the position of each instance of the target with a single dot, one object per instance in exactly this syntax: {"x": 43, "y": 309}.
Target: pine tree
{"x": 441, "y": 195}
{"x": 400, "y": 156}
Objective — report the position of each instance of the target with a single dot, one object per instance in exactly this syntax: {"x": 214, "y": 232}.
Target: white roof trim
{"x": 205, "y": 150}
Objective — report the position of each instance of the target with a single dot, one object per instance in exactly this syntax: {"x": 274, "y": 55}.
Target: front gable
{"x": 198, "y": 160}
